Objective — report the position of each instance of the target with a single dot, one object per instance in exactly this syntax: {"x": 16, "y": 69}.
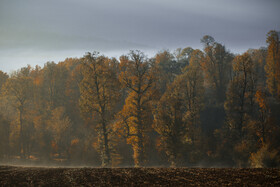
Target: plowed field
{"x": 39, "y": 176}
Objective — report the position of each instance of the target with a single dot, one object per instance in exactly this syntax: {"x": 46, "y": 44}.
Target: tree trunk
{"x": 21, "y": 139}
{"x": 139, "y": 151}
{"x": 106, "y": 157}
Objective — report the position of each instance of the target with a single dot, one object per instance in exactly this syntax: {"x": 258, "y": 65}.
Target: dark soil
{"x": 37, "y": 176}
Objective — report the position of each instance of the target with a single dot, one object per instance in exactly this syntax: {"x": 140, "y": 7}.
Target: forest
{"x": 182, "y": 108}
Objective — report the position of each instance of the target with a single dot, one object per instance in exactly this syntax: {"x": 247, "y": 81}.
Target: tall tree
{"x": 183, "y": 56}
{"x": 217, "y": 66}
{"x": 177, "y": 114}
{"x": 239, "y": 108}
{"x": 138, "y": 78}
{"x": 168, "y": 68}
{"x": 240, "y": 94}
{"x": 263, "y": 115}
{"x": 272, "y": 67}
{"x": 55, "y": 78}
{"x": 169, "y": 122}
{"x": 99, "y": 95}
{"x": 259, "y": 59}
{"x": 4, "y": 137}
{"x": 19, "y": 87}
{"x": 59, "y": 126}
{"x": 3, "y": 78}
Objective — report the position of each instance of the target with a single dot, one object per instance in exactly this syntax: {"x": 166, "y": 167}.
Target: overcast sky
{"x": 36, "y": 31}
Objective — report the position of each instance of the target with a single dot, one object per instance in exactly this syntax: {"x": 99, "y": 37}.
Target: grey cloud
{"x": 57, "y": 26}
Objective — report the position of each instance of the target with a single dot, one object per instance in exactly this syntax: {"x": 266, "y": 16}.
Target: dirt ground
{"x": 39, "y": 176}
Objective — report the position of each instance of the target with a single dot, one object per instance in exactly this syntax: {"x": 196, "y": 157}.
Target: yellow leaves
{"x": 260, "y": 98}
{"x": 75, "y": 142}
{"x": 196, "y": 58}
{"x": 38, "y": 81}
{"x": 263, "y": 157}
{"x": 243, "y": 63}
{"x": 54, "y": 145}
{"x": 100, "y": 86}
{"x": 164, "y": 57}
{"x": 135, "y": 119}
{"x": 3, "y": 78}
{"x": 124, "y": 62}
{"x": 272, "y": 67}
{"x": 58, "y": 123}
{"x": 242, "y": 86}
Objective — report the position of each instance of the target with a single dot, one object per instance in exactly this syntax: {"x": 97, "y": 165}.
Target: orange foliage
{"x": 260, "y": 98}
{"x": 75, "y": 142}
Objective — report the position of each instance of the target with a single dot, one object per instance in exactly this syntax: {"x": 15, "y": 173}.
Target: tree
{"x": 217, "y": 66}
{"x": 259, "y": 60}
{"x": 194, "y": 90}
{"x": 19, "y": 87}
{"x": 55, "y": 78}
{"x": 177, "y": 114}
{"x": 99, "y": 95}
{"x": 3, "y": 78}
{"x": 4, "y": 137}
{"x": 183, "y": 56}
{"x": 59, "y": 126}
{"x": 170, "y": 65}
{"x": 168, "y": 68}
{"x": 139, "y": 79}
{"x": 272, "y": 67}
{"x": 239, "y": 103}
{"x": 239, "y": 107}
{"x": 170, "y": 124}
{"x": 263, "y": 115}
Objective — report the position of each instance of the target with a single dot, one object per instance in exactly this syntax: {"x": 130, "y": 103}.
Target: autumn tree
{"x": 259, "y": 60}
{"x": 171, "y": 64}
{"x": 72, "y": 91}
{"x": 138, "y": 78}
{"x": 262, "y": 126}
{"x": 194, "y": 90}
{"x": 99, "y": 95}
{"x": 182, "y": 56}
{"x": 3, "y": 78}
{"x": 5, "y": 118}
{"x": 19, "y": 88}
{"x": 167, "y": 62}
{"x": 240, "y": 104}
{"x": 167, "y": 67}
{"x": 59, "y": 126}
{"x": 267, "y": 130}
{"x": 55, "y": 78}
{"x": 177, "y": 114}
{"x": 169, "y": 122}
{"x": 239, "y": 101}
{"x": 4, "y": 137}
{"x": 272, "y": 67}
{"x": 217, "y": 66}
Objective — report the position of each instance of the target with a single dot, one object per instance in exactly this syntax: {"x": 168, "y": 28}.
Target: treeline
{"x": 183, "y": 108}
